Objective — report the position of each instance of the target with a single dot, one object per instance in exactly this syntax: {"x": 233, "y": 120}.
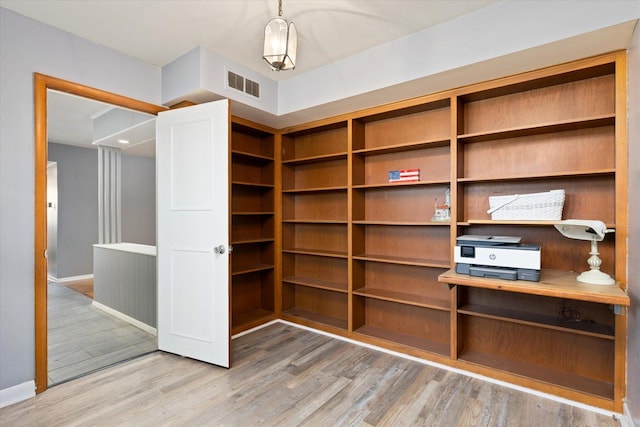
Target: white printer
{"x": 502, "y": 257}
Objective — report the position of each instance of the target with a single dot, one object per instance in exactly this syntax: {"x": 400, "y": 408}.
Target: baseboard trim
{"x": 460, "y": 371}
{"x": 626, "y": 420}
{"x": 248, "y": 331}
{"x": 134, "y": 322}
{"x": 51, "y": 279}
{"x": 17, "y": 393}
{"x": 74, "y": 278}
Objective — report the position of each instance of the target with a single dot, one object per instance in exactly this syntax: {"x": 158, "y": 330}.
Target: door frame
{"x": 41, "y": 83}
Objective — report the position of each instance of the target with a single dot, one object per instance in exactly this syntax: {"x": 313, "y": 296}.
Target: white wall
{"x": 633, "y": 325}
{"x": 27, "y": 46}
{"x": 482, "y": 45}
{"x": 203, "y": 72}
{"x": 505, "y": 38}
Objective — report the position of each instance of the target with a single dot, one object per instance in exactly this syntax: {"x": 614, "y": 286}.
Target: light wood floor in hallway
{"x": 287, "y": 376}
{"x": 83, "y": 338}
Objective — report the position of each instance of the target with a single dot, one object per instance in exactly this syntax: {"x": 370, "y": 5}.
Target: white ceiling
{"x": 158, "y": 32}
{"x": 70, "y": 118}
{"x": 70, "y": 121}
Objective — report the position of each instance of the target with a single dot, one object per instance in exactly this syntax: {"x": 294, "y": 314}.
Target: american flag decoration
{"x": 404, "y": 175}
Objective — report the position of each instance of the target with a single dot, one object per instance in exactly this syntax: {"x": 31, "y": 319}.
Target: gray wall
{"x": 77, "y": 208}
{"x": 633, "y": 325}
{"x": 78, "y": 205}
{"x": 27, "y": 46}
{"x": 125, "y": 281}
{"x": 139, "y": 200}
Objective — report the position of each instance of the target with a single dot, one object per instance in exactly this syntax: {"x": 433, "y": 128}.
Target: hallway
{"x": 83, "y": 339}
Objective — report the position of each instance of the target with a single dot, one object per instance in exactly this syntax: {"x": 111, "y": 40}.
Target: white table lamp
{"x": 593, "y": 231}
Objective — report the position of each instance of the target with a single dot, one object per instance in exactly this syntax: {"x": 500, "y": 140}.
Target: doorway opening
{"x": 42, "y": 87}
{"x": 105, "y": 194}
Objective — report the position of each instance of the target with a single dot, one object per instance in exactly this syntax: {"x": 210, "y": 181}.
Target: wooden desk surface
{"x": 553, "y": 283}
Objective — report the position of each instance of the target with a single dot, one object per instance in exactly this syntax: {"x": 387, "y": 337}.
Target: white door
{"x": 193, "y": 232}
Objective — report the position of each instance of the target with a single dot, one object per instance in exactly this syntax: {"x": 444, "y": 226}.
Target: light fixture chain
{"x": 279, "y": 7}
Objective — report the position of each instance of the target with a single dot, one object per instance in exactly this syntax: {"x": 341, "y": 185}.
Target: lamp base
{"x": 596, "y": 277}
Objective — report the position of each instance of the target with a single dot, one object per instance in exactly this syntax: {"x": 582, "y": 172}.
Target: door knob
{"x": 219, "y": 250}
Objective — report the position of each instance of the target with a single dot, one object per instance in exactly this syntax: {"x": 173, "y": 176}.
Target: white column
{"x": 109, "y": 195}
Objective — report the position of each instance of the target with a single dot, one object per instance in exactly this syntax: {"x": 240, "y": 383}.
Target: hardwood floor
{"x": 286, "y": 376}
{"x": 83, "y": 338}
{"x": 85, "y": 287}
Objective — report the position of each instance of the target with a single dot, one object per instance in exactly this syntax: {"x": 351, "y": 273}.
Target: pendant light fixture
{"x": 280, "y": 43}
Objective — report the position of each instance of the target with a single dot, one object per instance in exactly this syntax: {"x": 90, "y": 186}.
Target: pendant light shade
{"x": 280, "y": 43}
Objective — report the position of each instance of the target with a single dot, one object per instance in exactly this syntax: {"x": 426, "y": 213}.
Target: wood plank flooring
{"x": 85, "y": 287}
{"x": 286, "y": 376}
{"x": 83, "y": 338}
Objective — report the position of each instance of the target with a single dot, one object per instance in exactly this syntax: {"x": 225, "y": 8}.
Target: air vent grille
{"x": 238, "y": 82}
{"x": 252, "y": 88}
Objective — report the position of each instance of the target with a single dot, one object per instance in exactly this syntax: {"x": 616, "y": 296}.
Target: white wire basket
{"x": 533, "y": 206}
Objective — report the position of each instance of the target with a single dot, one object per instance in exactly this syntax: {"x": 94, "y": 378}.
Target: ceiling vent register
{"x": 238, "y": 82}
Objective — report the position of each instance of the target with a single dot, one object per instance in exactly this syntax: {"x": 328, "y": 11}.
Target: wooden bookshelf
{"x": 556, "y": 333}
{"x": 314, "y": 229}
{"x": 361, "y": 256}
{"x": 252, "y": 225}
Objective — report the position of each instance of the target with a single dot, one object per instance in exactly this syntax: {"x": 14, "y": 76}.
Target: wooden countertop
{"x": 553, "y": 283}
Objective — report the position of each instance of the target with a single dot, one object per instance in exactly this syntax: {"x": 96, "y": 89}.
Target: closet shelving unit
{"x": 397, "y": 251}
{"x": 362, "y": 258}
{"x": 253, "y": 192}
{"x": 314, "y": 226}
